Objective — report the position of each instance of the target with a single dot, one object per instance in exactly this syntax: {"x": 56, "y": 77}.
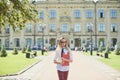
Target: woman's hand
{"x": 64, "y": 59}
{"x": 58, "y": 62}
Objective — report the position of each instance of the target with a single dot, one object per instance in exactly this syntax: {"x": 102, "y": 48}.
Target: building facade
{"x": 82, "y": 22}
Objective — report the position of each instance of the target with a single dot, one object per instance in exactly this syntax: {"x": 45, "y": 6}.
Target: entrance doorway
{"x": 114, "y": 40}
{"x": 77, "y": 42}
{"x": 52, "y": 43}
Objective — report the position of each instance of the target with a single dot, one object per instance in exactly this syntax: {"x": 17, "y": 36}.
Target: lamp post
{"x": 42, "y": 50}
{"x": 34, "y": 3}
{"x": 91, "y": 52}
{"x": 95, "y": 2}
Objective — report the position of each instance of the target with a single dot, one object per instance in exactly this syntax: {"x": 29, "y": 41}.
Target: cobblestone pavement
{"x": 82, "y": 68}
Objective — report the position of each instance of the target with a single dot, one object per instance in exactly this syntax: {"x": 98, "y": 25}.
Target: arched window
{"x": 17, "y": 42}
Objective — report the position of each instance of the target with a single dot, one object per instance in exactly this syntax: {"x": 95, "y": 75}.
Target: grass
{"x": 14, "y": 63}
{"x": 113, "y": 60}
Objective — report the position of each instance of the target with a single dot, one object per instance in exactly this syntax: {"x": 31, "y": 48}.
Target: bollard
{"x": 27, "y": 55}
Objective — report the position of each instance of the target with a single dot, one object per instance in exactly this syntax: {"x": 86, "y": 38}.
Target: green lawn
{"x": 15, "y": 63}
{"x": 113, "y": 60}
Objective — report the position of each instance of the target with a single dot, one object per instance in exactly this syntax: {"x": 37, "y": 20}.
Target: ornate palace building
{"x": 82, "y": 22}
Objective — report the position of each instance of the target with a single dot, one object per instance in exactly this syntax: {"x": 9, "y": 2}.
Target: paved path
{"x": 82, "y": 68}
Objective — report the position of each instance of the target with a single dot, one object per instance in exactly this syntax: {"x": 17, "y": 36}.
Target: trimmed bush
{"x": 0, "y": 48}
{"x": 28, "y": 48}
{"x": 116, "y": 51}
{"x": 3, "y": 52}
{"x": 107, "y": 50}
{"x": 15, "y": 51}
{"x": 100, "y": 49}
{"x": 23, "y": 49}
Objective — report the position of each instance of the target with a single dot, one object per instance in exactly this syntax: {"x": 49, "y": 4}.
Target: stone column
{"x": 118, "y": 39}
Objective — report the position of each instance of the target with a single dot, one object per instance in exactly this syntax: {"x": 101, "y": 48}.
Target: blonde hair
{"x": 62, "y": 39}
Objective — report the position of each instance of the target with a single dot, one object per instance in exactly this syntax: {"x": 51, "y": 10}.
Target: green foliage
{"x": 114, "y": 61}
{"x": 3, "y": 52}
{"x": 23, "y": 49}
{"x": 100, "y": 49}
{"x": 15, "y": 51}
{"x": 16, "y": 13}
{"x": 107, "y": 50}
{"x": 28, "y": 48}
{"x": 13, "y": 64}
{"x": 0, "y": 48}
{"x": 116, "y": 51}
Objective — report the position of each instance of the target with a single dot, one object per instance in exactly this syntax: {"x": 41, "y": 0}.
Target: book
{"x": 65, "y": 55}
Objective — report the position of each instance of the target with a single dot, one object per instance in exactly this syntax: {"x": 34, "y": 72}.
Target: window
{"x": 77, "y": 28}
{"x": 17, "y": 42}
{"x": 39, "y": 42}
{"x": 46, "y": 41}
{"x": 113, "y": 27}
{"x": 29, "y": 27}
{"x": 40, "y": 26}
{"x": 101, "y": 27}
{"x": 101, "y": 13}
{"x": 52, "y": 27}
{"x": 65, "y": 28}
{"x": 52, "y": 14}
{"x": 101, "y": 42}
{"x": 6, "y": 43}
{"x": 41, "y": 14}
{"x": 113, "y": 13}
{"x": 89, "y": 27}
{"x": 17, "y": 28}
{"x": 77, "y": 13}
{"x": 7, "y": 30}
{"x": 113, "y": 41}
{"x": 89, "y": 13}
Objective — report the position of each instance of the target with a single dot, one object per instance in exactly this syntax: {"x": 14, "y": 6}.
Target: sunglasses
{"x": 63, "y": 42}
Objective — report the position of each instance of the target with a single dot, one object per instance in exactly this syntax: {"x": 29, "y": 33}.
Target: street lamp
{"x": 91, "y": 52}
{"x": 42, "y": 50}
{"x": 34, "y": 3}
{"x": 95, "y": 2}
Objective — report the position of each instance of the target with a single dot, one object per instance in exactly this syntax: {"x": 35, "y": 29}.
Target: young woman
{"x": 63, "y": 57}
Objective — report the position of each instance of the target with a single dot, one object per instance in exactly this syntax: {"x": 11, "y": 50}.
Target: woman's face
{"x": 63, "y": 43}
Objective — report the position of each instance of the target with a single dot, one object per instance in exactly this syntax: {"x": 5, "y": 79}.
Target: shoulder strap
{"x": 62, "y": 52}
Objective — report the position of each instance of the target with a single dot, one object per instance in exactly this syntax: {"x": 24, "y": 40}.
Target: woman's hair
{"x": 62, "y": 39}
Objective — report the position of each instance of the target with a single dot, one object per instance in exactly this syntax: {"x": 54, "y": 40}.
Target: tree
{"x": 3, "y": 52}
{"x": 107, "y": 50}
{"x": 23, "y": 49}
{"x": 15, "y": 51}
{"x": 100, "y": 48}
{"x": 16, "y": 13}
{"x": 28, "y": 48}
{"x": 116, "y": 51}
